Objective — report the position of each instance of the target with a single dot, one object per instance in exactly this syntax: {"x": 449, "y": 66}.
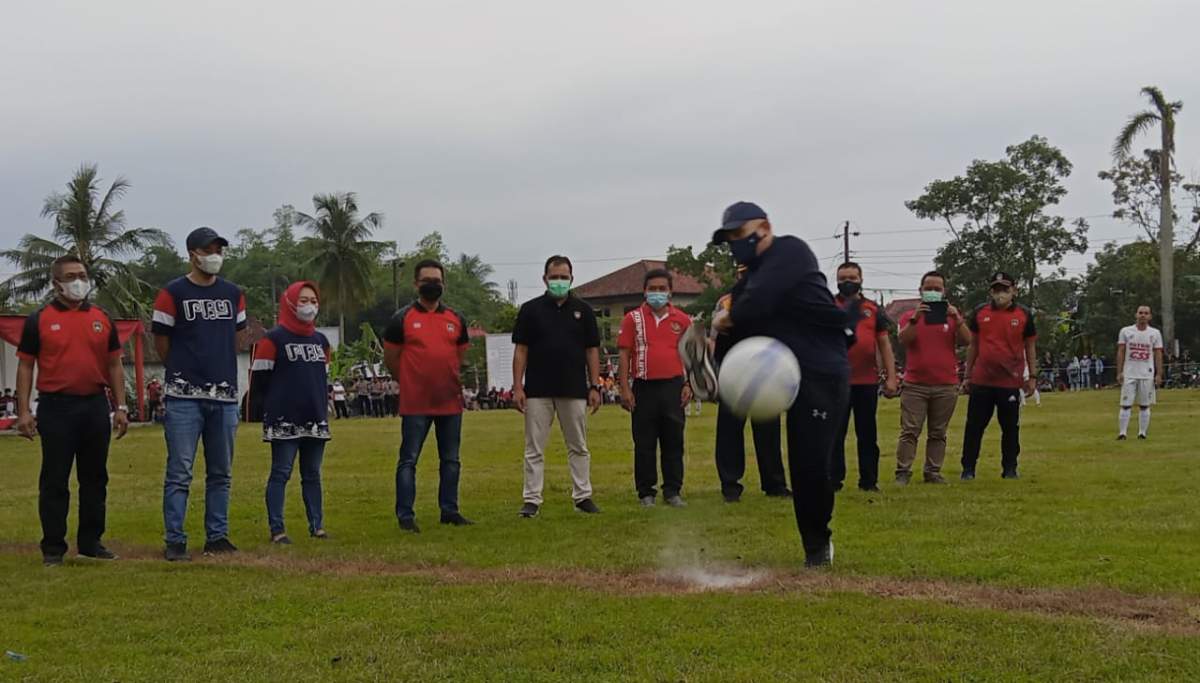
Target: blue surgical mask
{"x": 657, "y": 299}
{"x": 744, "y": 250}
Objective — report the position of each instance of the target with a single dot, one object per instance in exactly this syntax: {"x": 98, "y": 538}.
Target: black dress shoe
{"x": 1010, "y": 474}
{"x": 410, "y": 525}
{"x": 528, "y": 510}
{"x": 456, "y": 520}
{"x": 52, "y": 560}
{"x": 780, "y": 493}
{"x": 733, "y": 497}
{"x": 586, "y": 505}
{"x": 99, "y": 553}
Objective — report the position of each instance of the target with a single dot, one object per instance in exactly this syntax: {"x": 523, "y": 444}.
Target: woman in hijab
{"x": 288, "y": 385}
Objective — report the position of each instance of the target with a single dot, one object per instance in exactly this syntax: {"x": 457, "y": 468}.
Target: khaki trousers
{"x": 919, "y": 403}
{"x": 572, "y": 418}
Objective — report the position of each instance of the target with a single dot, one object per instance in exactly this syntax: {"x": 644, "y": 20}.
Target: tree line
{"x": 1001, "y": 216}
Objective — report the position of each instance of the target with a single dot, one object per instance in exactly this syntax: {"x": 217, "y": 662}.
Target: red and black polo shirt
{"x": 653, "y": 343}
{"x": 1000, "y": 335}
{"x": 873, "y": 325}
{"x": 429, "y": 362}
{"x": 71, "y": 346}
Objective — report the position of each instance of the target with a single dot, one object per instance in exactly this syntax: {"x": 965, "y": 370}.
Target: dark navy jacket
{"x": 787, "y": 297}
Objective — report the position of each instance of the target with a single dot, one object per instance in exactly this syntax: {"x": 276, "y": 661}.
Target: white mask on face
{"x": 76, "y": 290}
{"x": 307, "y": 312}
{"x": 210, "y": 263}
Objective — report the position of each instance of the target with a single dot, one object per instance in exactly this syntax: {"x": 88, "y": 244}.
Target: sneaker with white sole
{"x": 823, "y": 558}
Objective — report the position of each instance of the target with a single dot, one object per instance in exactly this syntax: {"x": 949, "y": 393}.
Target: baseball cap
{"x": 735, "y": 216}
{"x": 202, "y": 237}
{"x": 1001, "y": 278}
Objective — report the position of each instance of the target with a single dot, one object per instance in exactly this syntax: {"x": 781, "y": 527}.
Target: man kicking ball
{"x": 1139, "y": 370}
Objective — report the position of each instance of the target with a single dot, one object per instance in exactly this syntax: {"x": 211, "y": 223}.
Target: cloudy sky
{"x": 606, "y": 131}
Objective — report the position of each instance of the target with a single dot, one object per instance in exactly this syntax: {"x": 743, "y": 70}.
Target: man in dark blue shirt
{"x": 196, "y": 320}
{"x": 787, "y": 297}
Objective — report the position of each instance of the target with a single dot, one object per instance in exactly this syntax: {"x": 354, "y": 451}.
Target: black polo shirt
{"x": 558, "y": 338}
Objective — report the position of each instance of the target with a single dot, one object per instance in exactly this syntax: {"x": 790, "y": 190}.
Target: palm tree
{"x": 344, "y": 256}
{"x": 1163, "y": 116}
{"x": 475, "y": 269}
{"x": 86, "y": 224}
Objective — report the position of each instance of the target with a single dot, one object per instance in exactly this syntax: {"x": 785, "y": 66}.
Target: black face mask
{"x": 849, "y": 289}
{"x": 430, "y": 291}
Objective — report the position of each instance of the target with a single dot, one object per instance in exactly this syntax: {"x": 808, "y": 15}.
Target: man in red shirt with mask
{"x": 871, "y": 345}
{"x": 929, "y": 335}
{"x": 1001, "y": 360}
{"x": 653, "y": 388}
{"x": 75, "y": 348}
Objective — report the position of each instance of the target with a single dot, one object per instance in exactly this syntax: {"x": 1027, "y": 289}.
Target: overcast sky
{"x": 600, "y": 130}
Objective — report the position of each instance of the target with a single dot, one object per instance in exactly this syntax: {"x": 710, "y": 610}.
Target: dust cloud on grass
{"x": 682, "y": 562}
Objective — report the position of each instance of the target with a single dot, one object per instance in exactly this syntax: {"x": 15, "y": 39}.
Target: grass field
{"x": 1087, "y": 568}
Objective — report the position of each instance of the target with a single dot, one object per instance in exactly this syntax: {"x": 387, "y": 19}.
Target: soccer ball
{"x": 759, "y": 378}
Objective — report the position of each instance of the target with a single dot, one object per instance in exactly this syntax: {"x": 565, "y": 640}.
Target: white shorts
{"x": 1138, "y": 392}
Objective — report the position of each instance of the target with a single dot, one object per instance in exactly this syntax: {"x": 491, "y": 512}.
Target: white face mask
{"x": 307, "y": 312}
{"x": 76, "y": 290}
{"x": 210, "y": 263}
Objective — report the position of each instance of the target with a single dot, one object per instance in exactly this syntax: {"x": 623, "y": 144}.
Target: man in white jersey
{"x": 1139, "y": 370}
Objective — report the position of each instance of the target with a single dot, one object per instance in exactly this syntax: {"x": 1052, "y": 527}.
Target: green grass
{"x": 515, "y": 602}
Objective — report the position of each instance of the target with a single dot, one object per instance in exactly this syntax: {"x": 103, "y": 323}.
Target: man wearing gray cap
{"x": 787, "y": 297}
{"x": 196, "y": 321}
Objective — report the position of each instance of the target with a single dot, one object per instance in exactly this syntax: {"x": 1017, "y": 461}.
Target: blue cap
{"x": 202, "y": 237}
{"x": 735, "y": 217}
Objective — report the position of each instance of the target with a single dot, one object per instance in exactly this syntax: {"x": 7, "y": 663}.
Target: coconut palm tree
{"x": 343, "y": 253}
{"x": 87, "y": 225}
{"x": 1162, "y": 115}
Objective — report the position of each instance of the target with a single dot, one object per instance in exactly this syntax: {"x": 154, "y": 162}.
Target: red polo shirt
{"x": 71, "y": 346}
{"x": 1000, "y": 335}
{"x": 429, "y": 361}
{"x": 873, "y": 325}
{"x": 653, "y": 343}
{"x": 930, "y": 358}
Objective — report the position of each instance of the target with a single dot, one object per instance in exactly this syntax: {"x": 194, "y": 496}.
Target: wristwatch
{"x": 123, "y": 409}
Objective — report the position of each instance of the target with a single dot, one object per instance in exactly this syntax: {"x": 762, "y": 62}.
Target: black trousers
{"x": 658, "y": 423}
{"x": 1006, "y": 403}
{"x": 364, "y": 405}
{"x": 74, "y": 430}
{"x": 339, "y": 408}
{"x": 812, "y": 427}
{"x": 864, "y": 399}
{"x": 731, "y": 453}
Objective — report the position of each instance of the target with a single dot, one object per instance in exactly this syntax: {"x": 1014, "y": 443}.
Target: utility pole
{"x": 397, "y": 264}
{"x": 846, "y": 241}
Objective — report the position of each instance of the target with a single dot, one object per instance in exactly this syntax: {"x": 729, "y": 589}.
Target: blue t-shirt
{"x": 202, "y": 324}
{"x": 290, "y": 379}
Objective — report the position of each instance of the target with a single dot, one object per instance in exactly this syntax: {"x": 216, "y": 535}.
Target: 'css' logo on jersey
{"x": 207, "y": 309}
{"x": 307, "y": 353}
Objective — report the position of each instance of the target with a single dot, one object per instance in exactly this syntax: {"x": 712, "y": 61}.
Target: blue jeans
{"x": 413, "y": 430}
{"x": 185, "y": 423}
{"x": 283, "y": 457}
